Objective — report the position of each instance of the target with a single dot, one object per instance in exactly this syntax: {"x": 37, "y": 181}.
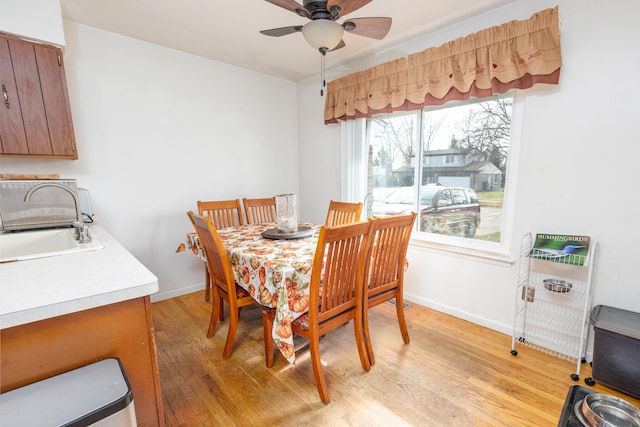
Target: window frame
{"x": 500, "y": 252}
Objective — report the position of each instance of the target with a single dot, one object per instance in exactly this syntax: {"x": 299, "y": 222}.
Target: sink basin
{"x": 23, "y": 245}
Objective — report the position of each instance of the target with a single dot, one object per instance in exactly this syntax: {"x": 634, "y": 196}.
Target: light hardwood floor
{"x": 453, "y": 373}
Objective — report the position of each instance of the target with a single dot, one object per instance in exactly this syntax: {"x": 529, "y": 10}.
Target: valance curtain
{"x": 377, "y": 90}
{"x": 515, "y": 55}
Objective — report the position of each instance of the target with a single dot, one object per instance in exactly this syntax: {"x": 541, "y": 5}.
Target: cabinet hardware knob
{"x": 5, "y": 96}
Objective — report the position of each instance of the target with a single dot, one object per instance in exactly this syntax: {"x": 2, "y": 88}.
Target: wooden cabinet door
{"x": 56, "y": 100}
{"x": 12, "y": 134}
{"x": 36, "y": 110}
{"x": 29, "y": 95}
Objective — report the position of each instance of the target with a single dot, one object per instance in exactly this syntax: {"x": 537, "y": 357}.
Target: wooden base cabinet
{"x": 38, "y": 350}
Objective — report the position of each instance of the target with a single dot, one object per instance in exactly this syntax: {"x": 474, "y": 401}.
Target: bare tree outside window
{"x": 486, "y": 130}
{"x": 395, "y": 140}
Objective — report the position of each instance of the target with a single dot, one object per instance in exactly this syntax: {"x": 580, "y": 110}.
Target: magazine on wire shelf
{"x": 561, "y": 248}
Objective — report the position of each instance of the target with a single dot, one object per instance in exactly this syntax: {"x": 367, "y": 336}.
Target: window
{"x": 452, "y": 158}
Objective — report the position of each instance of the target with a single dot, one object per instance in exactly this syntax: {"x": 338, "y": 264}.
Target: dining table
{"x": 275, "y": 270}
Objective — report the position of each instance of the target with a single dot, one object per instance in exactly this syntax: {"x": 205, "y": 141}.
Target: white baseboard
{"x": 455, "y": 312}
{"x": 177, "y": 292}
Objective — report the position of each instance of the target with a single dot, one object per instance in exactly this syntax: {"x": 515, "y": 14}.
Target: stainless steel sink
{"x": 24, "y": 245}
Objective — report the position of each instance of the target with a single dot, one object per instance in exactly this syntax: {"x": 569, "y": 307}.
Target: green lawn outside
{"x": 491, "y": 198}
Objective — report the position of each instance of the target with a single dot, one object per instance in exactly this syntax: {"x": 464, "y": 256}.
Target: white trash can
{"x": 94, "y": 395}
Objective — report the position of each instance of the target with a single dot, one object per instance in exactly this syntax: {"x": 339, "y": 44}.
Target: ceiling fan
{"x": 323, "y": 32}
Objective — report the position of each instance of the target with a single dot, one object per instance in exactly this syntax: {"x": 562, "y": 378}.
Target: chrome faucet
{"x": 82, "y": 230}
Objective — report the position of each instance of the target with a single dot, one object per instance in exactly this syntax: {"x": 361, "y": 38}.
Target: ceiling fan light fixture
{"x": 323, "y": 33}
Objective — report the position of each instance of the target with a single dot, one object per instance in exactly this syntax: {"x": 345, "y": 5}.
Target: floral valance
{"x": 515, "y": 55}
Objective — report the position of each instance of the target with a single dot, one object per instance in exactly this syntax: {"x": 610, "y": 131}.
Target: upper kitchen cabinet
{"x": 35, "y": 117}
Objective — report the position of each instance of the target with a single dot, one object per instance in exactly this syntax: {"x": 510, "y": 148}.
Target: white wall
{"x": 157, "y": 130}
{"x": 578, "y": 157}
{"x": 39, "y": 20}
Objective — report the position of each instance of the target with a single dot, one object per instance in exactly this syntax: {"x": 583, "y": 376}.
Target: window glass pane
{"x": 458, "y": 172}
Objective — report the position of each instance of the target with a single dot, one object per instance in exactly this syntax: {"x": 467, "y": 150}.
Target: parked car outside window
{"x": 443, "y": 210}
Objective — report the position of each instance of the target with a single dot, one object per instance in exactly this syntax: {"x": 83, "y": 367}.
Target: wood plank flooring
{"x": 453, "y": 373}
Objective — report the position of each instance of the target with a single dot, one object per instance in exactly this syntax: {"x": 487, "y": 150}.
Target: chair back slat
{"x": 260, "y": 210}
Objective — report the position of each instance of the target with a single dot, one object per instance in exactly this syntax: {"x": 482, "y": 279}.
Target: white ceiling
{"x": 228, "y": 30}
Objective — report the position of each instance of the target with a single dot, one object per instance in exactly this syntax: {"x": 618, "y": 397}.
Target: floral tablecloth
{"x": 275, "y": 272}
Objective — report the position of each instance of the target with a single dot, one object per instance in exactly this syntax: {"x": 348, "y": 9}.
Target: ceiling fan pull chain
{"x": 323, "y": 83}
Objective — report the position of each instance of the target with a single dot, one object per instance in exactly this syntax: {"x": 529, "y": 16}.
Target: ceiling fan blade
{"x": 283, "y": 31}
{"x": 291, "y": 5}
{"x": 346, "y": 6}
{"x": 375, "y": 28}
{"x": 340, "y": 45}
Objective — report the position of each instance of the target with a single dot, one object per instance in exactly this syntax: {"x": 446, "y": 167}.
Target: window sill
{"x": 479, "y": 253}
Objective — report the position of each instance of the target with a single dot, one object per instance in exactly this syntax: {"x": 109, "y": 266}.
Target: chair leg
{"x": 367, "y": 339}
{"x": 207, "y": 283}
{"x": 267, "y": 327}
{"x": 231, "y": 334}
{"x": 401, "y": 320}
{"x": 216, "y": 307}
{"x": 360, "y": 341}
{"x": 314, "y": 351}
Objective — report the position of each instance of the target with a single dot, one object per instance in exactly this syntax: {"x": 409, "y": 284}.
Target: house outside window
{"x": 452, "y": 158}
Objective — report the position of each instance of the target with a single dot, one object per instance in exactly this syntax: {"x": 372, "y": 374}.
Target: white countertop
{"x": 42, "y": 288}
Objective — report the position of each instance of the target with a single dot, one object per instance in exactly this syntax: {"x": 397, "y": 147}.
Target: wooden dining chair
{"x": 224, "y": 285}
{"x": 260, "y": 210}
{"x": 335, "y": 293}
{"x": 223, "y": 214}
{"x": 384, "y": 277}
{"x": 343, "y": 213}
